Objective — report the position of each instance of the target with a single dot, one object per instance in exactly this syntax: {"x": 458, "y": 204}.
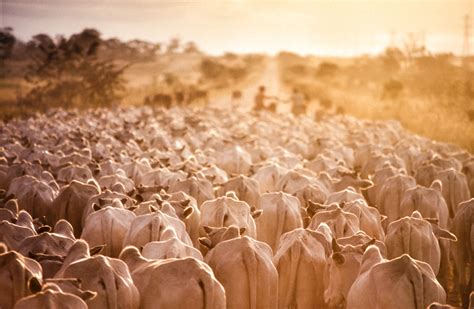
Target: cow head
{"x": 342, "y": 269}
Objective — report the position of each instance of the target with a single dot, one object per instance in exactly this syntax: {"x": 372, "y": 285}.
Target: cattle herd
{"x": 203, "y": 208}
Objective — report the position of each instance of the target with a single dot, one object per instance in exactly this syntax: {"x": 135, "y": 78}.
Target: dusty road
{"x": 269, "y": 77}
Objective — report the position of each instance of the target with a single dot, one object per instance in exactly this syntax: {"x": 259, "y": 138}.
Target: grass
{"x": 420, "y": 115}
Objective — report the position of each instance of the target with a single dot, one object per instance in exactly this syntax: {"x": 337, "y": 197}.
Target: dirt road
{"x": 268, "y": 77}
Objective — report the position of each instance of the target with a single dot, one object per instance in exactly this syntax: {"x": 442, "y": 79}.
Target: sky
{"x": 320, "y": 27}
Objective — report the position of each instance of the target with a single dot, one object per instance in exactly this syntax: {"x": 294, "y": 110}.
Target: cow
{"x": 215, "y": 235}
{"x": 71, "y": 202}
{"x": 247, "y": 189}
{"x": 268, "y": 176}
{"x": 186, "y": 210}
{"x": 104, "y": 199}
{"x": 412, "y": 283}
{"x": 12, "y": 234}
{"x": 426, "y": 174}
{"x": 344, "y": 196}
{"x": 417, "y": 238}
{"x": 280, "y": 214}
{"x": 463, "y": 250}
{"x": 371, "y": 193}
{"x": 244, "y": 267}
{"x": 73, "y": 172}
{"x": 51, "y": 296}
{"x": 455, "y": 189}
{"x": 169, "y": 248}
{"x": 468, "y": 170}
{"x": 200, "y": 189}
{"x": 33, "y": 195}
{"x": 340, "y": 222}
{"x": 226, "y": 211}
{"x": 391, "y": 195}
{"x": 300, "y": 260}
{"x": 370, "y": 220}
{"x": 15, "y": 271}
{"x": 108, "y": 226}
{"x": 234, "y": 160}
{"x": 155, "y": 227}
{"x": 174, "y": 283}
{"x": 108, "y": 277}
{"x": 342, "y": 268}
{"x": 49, "y": 249}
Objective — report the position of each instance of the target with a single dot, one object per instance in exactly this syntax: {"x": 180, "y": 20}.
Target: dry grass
{"x": 420, "y": 115}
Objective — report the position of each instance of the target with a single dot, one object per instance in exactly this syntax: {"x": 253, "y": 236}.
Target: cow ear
{"x": 257, "y": 213}
{"x": 441, "y": 233}
{"x": 338, "y": 258}
{"x": 88, "y": 295}
{"x": 434, "y": 221}
{"x": 185, "y": 202}
{"x": 242, "y": 231}
{"x": 159, "y": 201}
{"x": 96, "y": 250}
{"x": 206, "y": 242}
{"x": 96, "y": 207}
{"x": 12, "y": 205}
{"x": 44, "y": 229}
{"x": 437, "y": 185}
{"x": 365, "y": 184}
{"x": 139, "y": 198}
{"x": 207, "y": 229}
{"x": 313, "y": 208}
{"x": 187, "y": 212}
{"x": 34, "y": 285}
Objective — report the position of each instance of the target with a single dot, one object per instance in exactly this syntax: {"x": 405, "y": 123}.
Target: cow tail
{"x": 295, "y": 254}
{"x": 104, "y": 222}
{"x": 208, "y": 290}
{"x": 281, "y": 216}
{"x": 250, "y": 261}
{"x": 406, "y": 237}
{"x": 452, "y": 201}
{"x": 155, "y": 228}
{"x": 19, "y": 282}
{"x": 111, "y": 290}
{"x": 416, "y": 279}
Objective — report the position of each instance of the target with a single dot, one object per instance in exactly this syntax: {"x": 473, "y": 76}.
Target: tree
{"x": 173, "y": 45}
{"x": 67, "y": 72}
{"x": 7, "y": 41}
{"x": 191, "y": 48}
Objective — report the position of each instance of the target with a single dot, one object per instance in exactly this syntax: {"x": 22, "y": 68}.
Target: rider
{"x": 298, "y": 105}
{"x": 259, "y": 99}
